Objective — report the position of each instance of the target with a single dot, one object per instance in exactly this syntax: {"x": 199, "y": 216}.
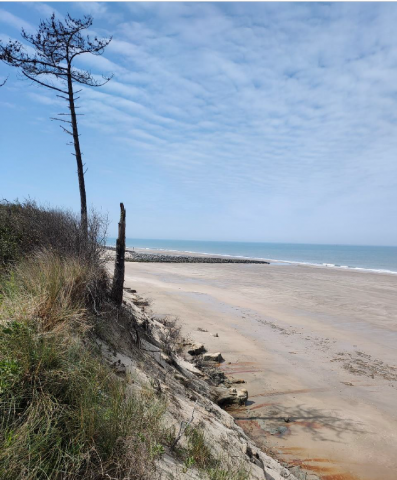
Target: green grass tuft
{"x": 63, "y": 413}
{"x": 198, "y": 454}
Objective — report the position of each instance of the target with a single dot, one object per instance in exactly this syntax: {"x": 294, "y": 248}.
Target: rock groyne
{"x": 132, "y": 256}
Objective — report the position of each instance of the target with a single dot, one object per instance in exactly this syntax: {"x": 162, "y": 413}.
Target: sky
{"x": 263, "y": 122}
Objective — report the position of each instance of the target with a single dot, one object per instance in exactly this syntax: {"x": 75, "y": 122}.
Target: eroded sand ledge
{"x": 316, "y": 346}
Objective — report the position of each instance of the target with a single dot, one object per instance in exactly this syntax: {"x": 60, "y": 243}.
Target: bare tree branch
{"x": 183, "y": 426}
{"x": 67, "y": 131}
{"x": 43, "y": 84}
{"x": 60, "y": 120}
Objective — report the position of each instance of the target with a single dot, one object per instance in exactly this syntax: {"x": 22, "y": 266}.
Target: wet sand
{"x": 317, "y": 348}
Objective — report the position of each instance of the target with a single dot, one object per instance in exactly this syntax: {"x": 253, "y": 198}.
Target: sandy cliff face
{"x": 141, "y": 356}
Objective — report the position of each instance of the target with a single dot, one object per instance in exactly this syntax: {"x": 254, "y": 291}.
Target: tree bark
{"x": 80, "y": 169}
{"x": 119, "y": 266}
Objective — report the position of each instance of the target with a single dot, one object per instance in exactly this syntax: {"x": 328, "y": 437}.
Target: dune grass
{"x": 63, "y": 413}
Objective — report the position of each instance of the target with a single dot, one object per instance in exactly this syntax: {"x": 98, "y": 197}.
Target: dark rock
{"x": 258, "y": 462}
{"x": 119, "y": 367}
{"x": 247, "y": 450}
{"x": 129, "y": 290}
{"x": 196, "y": 349}
{"x": 181, "y": 379}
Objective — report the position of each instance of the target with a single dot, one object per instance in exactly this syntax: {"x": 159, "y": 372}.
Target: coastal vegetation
{"x": 65, "y": 413}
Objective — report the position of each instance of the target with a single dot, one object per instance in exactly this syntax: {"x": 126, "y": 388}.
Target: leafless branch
{"x": 43, "y": 84}
{"x": 67, "y": 131}
{"x": 60, "y": 120}
{"x": 182, "y": 428}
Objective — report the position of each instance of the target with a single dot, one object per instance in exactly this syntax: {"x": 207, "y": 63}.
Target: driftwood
{"x": 119, "y": 265}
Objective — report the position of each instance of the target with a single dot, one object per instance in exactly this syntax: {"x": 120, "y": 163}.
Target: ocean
{"x": 371, "y": 258}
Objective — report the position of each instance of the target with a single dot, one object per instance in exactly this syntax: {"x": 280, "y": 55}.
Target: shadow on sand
{"x": 282, "y": 421}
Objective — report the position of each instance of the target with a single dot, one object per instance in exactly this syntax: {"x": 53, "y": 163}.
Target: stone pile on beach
{"x": 223, "y": 394}
{"x": 159, "y": 258}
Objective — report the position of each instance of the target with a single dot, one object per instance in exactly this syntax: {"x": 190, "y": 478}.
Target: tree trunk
{"x": 119, "y": 267}
{"x": 80, "y": 170}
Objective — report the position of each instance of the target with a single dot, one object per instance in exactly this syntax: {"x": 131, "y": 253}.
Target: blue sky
{"x": 272, "y": 122}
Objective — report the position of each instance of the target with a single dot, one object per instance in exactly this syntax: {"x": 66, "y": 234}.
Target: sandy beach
{"x": 317, "y": 348}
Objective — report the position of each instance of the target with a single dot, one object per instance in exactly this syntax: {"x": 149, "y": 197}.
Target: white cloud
{"x": 45, "y": 9}
{"x": 14, "y": 21}
{"x": 288, "y": 105}
{"x": 97, "y": 9}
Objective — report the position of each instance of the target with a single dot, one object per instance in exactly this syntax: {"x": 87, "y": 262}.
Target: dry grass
{"x": 171, "y": 337}
{"x": 63, "y": 413}
{"x": 55, "y": 291}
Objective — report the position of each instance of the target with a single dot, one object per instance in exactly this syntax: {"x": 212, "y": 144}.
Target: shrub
{"x": 27, "y": 227}
{"x": 171, "y": 337}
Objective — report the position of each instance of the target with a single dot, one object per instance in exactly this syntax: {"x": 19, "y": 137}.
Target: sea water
{"x": 371, "y": 258}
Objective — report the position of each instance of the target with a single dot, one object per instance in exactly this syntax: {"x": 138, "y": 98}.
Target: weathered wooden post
{"x": 118, "y": 277}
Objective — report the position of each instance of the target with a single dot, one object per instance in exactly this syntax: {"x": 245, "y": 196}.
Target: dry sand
{"x": 316, "y": 346}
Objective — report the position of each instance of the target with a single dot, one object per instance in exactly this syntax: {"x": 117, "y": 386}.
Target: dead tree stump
{"x": 119, "y": 265}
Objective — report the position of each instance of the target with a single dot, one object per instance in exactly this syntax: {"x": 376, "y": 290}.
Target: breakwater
{"x": 132, "y": 256}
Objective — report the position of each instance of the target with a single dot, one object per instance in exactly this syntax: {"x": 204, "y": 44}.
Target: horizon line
{"x": 263, "y": 242}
